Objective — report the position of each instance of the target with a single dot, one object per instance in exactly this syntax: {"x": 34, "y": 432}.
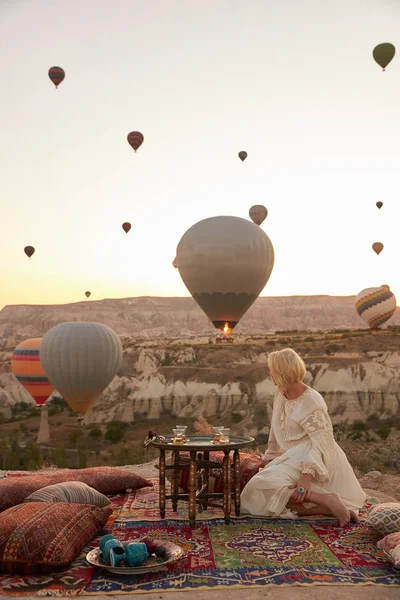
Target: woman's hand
{"x": 305, "y": 483}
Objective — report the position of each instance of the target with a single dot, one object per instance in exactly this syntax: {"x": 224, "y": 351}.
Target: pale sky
{"x": 291, "y": 82}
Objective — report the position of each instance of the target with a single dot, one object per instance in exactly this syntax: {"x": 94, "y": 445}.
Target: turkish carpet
{"x": 254, "y": 553}
{"x": 248, "y": 553}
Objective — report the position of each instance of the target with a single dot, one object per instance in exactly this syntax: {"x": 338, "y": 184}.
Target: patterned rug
{"x": 143, "y": 505}
{"x": 254, "y": 553}
{"x": 249, "y": 553}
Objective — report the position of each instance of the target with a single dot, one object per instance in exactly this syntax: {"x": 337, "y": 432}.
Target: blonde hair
{"x": 286, "y": 367}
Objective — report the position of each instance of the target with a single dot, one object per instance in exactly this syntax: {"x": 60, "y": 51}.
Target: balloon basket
{"x": 223, "y": 340}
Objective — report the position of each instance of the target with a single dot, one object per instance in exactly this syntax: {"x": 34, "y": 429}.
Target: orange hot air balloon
{"x": 56, "y": 75}
{"x": 135, "y": 139}
{"x": 126, "y": 227}
{"x": 29, "y": 251}
{"x": 27, "y": 368}
{"x": 377, "y": 247}
{"x": 88, "y": 294}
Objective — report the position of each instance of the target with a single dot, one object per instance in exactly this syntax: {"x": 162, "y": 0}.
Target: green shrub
{"x": 236, "y": 417}
{"x": 359, "y": 426}
{"x": 95, "y": 433}
{"x": 384, "y": 431}
{"x": 75, "y": 435}
{"x": 115, "y": 431}
{"x": 33, "y": 457}
{"x": 59, "y": 457}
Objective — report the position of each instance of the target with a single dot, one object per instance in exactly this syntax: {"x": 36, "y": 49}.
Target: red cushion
{"x": 249, "y": 465}
{"x": 37, "y": 537}
{"x": 107, "y": 480}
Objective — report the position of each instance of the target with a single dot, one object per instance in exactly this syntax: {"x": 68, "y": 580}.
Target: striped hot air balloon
{"x": 376, "y": 305}
{"x": 135, "y": 139}
{"x": 56, "y": 75}
{"x": 27, "y": 368}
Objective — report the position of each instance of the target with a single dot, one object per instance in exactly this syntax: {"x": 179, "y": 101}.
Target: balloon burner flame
{"x": 227, "y": 329}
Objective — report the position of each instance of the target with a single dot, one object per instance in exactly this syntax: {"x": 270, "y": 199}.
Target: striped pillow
{"x": 75, "y": 492}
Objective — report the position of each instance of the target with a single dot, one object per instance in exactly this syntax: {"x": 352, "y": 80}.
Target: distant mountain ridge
{"x": 157, "y": 317}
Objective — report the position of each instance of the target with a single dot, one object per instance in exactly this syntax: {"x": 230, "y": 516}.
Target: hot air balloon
{"x": 377, "y": 247}
{"x": 88, "y": 294}
{"x": 383, "y": 54}
{"x": 81, "y": 360}
{"x": 379, "y": 204}
{"x": 126, "y": 227}
{"x": 242, "y": 155}
{"x": 135, "y": 139}
{"x": 29, "y": 251}
{"x": 56, "y": 75}
{"x": 225, "y": 262}
{"x": 258, "y": 214}
{"x": 376, "y": 305}
{"x": 27, "y": 368}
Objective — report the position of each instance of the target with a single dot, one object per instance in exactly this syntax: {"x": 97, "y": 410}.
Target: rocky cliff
{"x": 150, "y": 318}
{"x": 358, "y": 374}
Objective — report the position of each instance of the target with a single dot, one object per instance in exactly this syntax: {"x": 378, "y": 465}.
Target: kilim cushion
{"x": 107, "y": 480}
{"x": 385, "y": 518}
{"x": 249, "y": 465}
{"x": 69, "y": 491}
{"x": 391, "y": 547}
{"x": 37, "y": 537}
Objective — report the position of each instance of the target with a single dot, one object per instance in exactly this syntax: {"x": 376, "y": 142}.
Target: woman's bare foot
{"x": 338, "y": 509}
{"x": 354, "y": 517}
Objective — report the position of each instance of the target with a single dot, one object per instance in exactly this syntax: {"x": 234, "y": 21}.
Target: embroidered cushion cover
{"x": 36, "y": 537}
{"x": 249, "y": 465}
{"x": 391, "y": 547}
{"x": 69, "y": 491}
{"x": 107, "y": 480}
{"x": 385, "y": 518}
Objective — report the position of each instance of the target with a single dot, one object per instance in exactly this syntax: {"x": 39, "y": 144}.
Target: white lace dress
{"x": 300, "y": 441}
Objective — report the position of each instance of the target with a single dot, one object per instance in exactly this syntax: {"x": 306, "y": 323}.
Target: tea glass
{"x": 182, "y": 429}
{"x": 224, "y": 431}
{"x": 179, "y": 436}
{"x": 217, "y": 433}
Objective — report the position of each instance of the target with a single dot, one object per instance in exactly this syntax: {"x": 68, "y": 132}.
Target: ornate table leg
{"x": 226, "y": 467}
{"x": 236, "y": 480}
{"x": 192, "y": 487}
{"x": 162, "y": 483}
{"x": 175, "y": 480}
{"x": 206, "y": 477}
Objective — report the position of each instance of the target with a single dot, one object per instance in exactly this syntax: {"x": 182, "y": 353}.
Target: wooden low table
{"x": 198, "y": 468}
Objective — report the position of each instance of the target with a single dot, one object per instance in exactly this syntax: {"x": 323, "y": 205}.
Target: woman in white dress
{"x": 305, "y": 471}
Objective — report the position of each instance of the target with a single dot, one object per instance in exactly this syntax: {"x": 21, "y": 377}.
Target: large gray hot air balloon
{"x": 80, "y": 360}
{"x": 225, "y": 262}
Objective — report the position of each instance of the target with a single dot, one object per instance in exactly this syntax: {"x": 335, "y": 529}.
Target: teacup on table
{"x": 182, "y": 429}
{"x": 217, "y": 434}
{"x": 179, "y": 437}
